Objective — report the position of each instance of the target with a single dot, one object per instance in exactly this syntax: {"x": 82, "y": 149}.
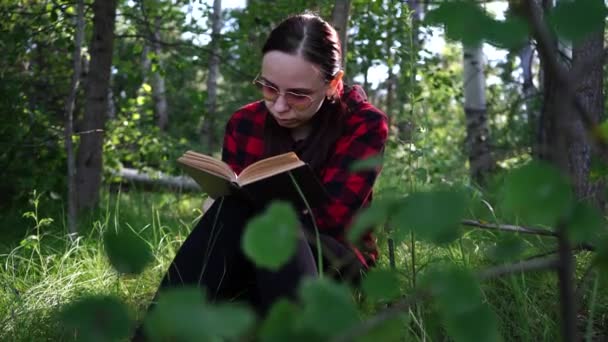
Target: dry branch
{"x": 508, "y": 228}
{"x": 419, "y": 294}
{"x": 158, "y": 179}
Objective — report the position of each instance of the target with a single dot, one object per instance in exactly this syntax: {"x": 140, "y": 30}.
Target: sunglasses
{"x": 299, "y": 102}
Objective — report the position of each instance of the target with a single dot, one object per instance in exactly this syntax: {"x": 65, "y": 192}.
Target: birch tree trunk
{"x": 208, "y": 127}
{"x": 478, "y": 144}
{"x": 89, "y": 158}
{"x": 339, "y": 20}
{"x": 390, "y": 79}
{"x": 529, "y": 91}
{"x": 69, "y": 121}
{"x": 161, "y": 111}
{"x": 145, "y": 71}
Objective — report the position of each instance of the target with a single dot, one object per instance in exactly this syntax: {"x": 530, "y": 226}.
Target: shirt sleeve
{"x": 243, "y": 140}
{"x": 349, "y": 190}
{"x": 230, "y": 149}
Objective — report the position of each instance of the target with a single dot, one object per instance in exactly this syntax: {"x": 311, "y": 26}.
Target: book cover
{"x": 261, "y": 182}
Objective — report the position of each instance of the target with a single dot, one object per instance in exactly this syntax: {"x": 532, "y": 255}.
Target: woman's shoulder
{"x": 360, "y": 109}
{"x": 252, "y": 112}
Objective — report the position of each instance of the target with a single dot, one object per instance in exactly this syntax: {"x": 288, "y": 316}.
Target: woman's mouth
{"x": 284, "y": 122}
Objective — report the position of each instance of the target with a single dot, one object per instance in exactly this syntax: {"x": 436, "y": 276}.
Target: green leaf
{"x": 538, "y": 192}
{"x": 507, "y": 249}
{"x": 575, "y": 20}
{"x": 127, "y": 252}
{"x": 374, "y": 215}
{"x": 601, "y": 259}
{"x": 270, "y": 238}
{"x": 367, "y": 164}
{"x": 381, "y": 284}
{"x": 434, "y": 216}
{"x": 479, "y": 324}
{"x": 228, "y": 320}
{"x": 281, "y": 324}
{"x": 421, "y": 174}
{"x": 599, "y": 169}
{"x": 182, "y": 314}
{"x": 601, "y": 131}
{"x": 463, "y": 21}
{"x": 97, "y": 318}
{"x": 585, "y": 224}
{"x": 390, "y": 330}
{"x": 511, "y": 33}
{"x": 146, "y": 87}
{"x": 328, "y": 307}
{"x": 456, "y": 290}
{"x": 177, "y": 315}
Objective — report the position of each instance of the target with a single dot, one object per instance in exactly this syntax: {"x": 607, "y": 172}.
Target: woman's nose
{"x": 280, "y": 105}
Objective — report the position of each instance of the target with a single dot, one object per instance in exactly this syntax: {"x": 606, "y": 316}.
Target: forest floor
{"x": 41, "y": 269}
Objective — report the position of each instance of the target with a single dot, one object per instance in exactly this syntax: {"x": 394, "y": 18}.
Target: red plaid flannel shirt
{"x": 364, "y": 136}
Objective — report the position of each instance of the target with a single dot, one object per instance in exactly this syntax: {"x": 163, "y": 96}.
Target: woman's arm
{"x": 243, "y": 138}
{"x": 349, "y": 190}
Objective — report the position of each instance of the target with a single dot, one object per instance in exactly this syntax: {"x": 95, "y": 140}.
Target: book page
{"x": 269, "y": 167}
{"x": 209, "y": 164}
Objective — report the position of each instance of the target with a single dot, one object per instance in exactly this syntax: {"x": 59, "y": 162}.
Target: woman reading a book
{"x": 307, "y": 109}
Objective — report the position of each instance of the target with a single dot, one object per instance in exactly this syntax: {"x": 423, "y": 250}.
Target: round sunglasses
{"x": 297, "y": 101}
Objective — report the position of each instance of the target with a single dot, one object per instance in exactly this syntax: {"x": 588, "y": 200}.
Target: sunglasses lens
{"x": 297, "y": 101}
{"x": 269, "y": 93}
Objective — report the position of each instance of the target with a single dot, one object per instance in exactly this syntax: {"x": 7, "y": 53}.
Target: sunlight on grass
{"x": 47, "y": 269}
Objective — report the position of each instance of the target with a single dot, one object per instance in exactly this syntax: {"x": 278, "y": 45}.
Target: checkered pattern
{"x": 364, "y": 136}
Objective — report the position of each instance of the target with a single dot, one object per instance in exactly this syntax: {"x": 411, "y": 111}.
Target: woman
{"x": 305, "y": 109}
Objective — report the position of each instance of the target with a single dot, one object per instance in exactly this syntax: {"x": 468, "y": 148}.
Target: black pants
{"x": 211, "y": 257}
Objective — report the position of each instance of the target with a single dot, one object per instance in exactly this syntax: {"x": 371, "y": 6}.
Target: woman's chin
{"x": 287, "y": 123}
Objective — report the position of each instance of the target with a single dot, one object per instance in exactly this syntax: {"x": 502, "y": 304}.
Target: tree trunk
{"x": 339, "y": 20}
{"x": 478, "y": 144}
{"x": 554, "y": 122}
{"x": 158, "y": 83}
{"x": 586, "y": 55}
{"x": 89, "y": 159}
{"x": 69, "y": 121}
{"x": 529, "y": 91}
{"x": 208, "y": 128}
{"x": 390, "y": 79}
{"x": 416, "y": 10}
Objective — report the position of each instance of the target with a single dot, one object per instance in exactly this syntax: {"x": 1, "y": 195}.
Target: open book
{"x": 265, "y": 180}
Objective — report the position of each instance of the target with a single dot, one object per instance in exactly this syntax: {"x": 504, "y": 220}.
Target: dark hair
{"x": 314, "y": 39}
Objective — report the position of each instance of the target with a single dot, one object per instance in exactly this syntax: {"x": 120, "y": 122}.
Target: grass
{"x": 46, "y": 269}
{"x": 41, "y": 270}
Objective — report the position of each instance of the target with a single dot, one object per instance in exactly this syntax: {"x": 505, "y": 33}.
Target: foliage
{"x": 53, "y": 287}
{"x": 183, "y": 314}
{"x": 270, "y": 239}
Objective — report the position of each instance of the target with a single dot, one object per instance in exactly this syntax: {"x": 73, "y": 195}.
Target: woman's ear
{"x": 333, "y": 84}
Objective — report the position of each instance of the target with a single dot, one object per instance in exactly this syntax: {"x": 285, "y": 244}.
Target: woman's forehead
{"x": 290, "y": 71}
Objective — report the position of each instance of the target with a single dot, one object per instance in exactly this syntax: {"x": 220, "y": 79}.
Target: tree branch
{"x": 523, "y": 230}
{"x": 536, "y": 264}
{"x": 508, "y": 228}
{"x": 419, "y": 294}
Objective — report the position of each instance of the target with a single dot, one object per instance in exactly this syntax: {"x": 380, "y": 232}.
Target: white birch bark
{"x": 161, "y": 111}
{"x": 69, "y": 120}
{"x": 478, "y": 145}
